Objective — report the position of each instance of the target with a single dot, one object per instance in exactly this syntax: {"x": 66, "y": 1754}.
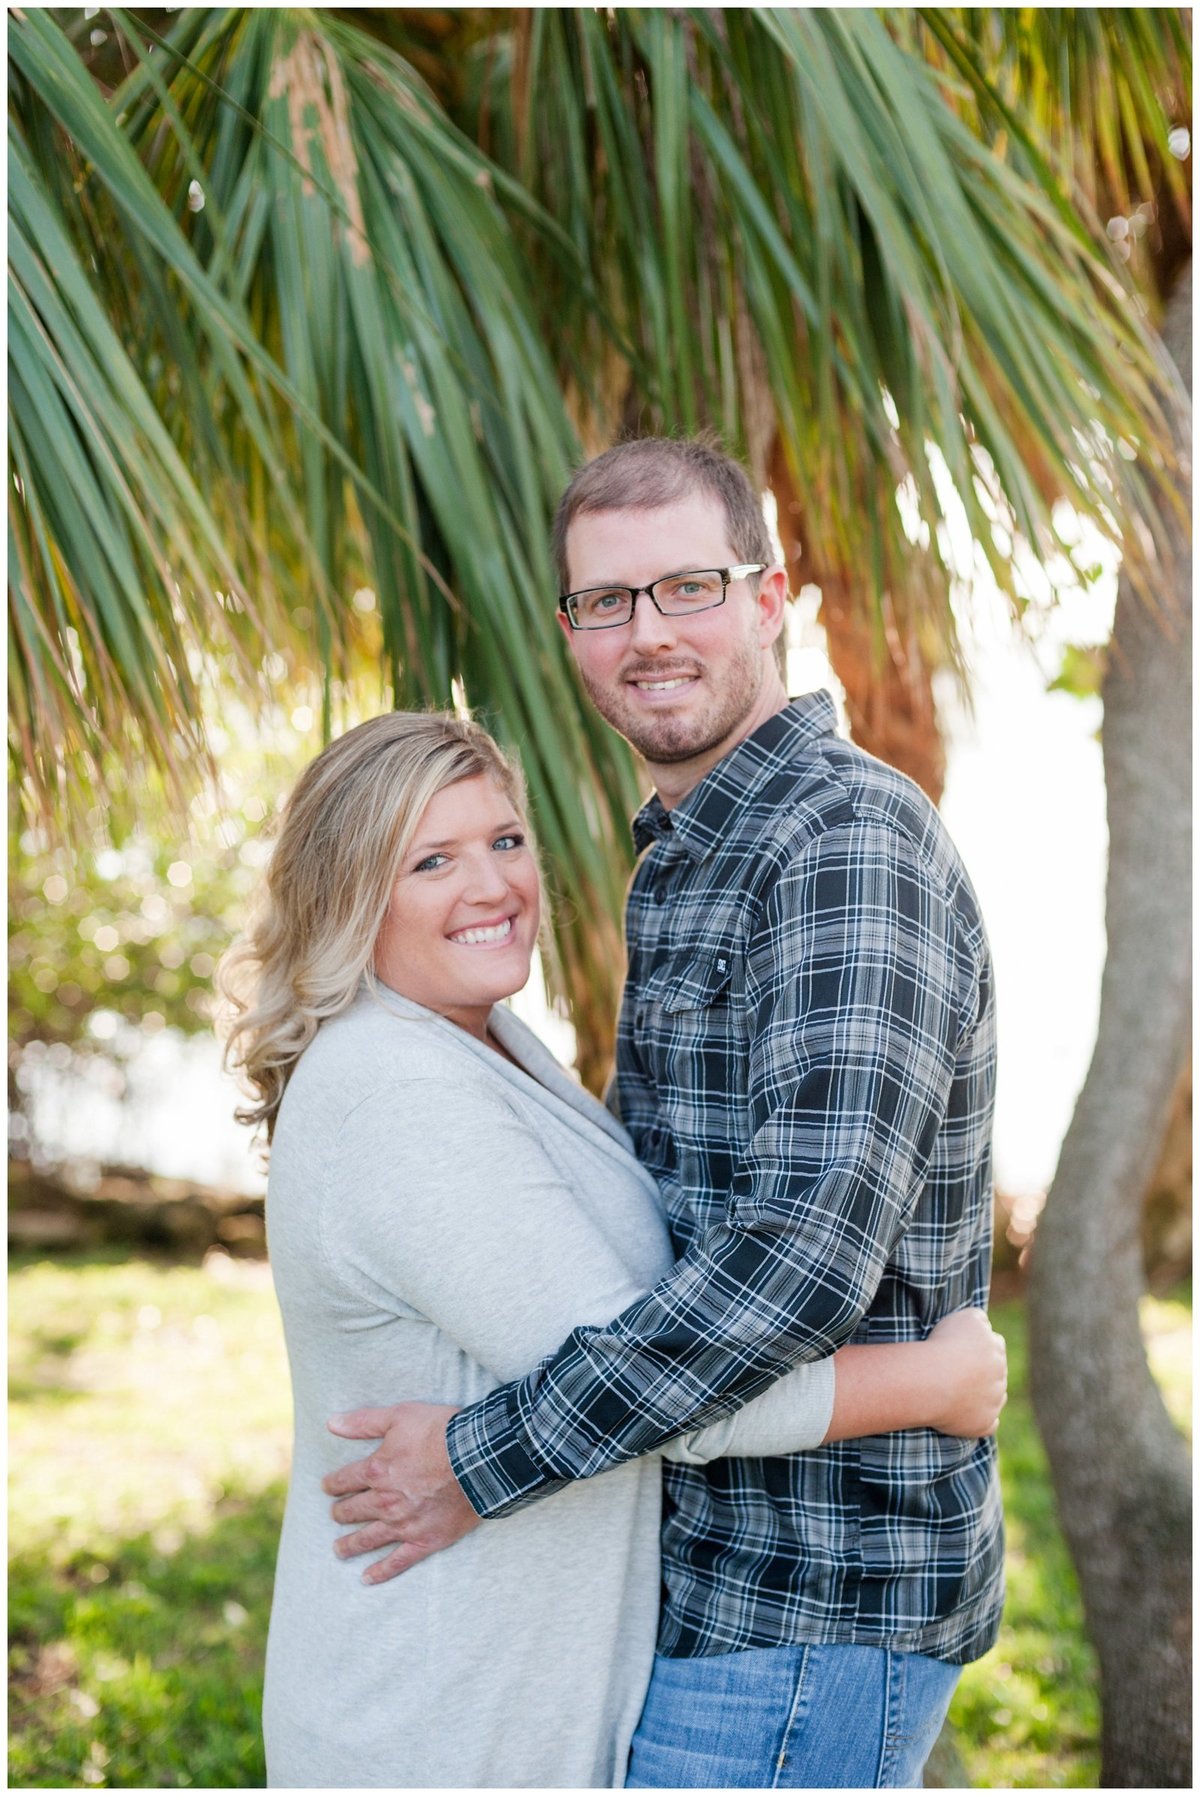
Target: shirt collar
{"x": 701, "y": 819}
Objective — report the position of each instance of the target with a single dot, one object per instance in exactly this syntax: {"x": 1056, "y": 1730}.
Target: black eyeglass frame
{"x": 741, "y": 571}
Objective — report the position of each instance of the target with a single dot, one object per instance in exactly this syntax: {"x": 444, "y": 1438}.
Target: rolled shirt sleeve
{"x": 858, "y": 988}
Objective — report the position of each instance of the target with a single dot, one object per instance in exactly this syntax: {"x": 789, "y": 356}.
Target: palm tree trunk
{"x": 889, "y": 696}
{"x": 1120, "y": 1469}
{"x": 886, "y": 680}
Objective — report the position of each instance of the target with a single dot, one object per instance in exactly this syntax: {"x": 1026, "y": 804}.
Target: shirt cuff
{"x": 490, "y": 1453}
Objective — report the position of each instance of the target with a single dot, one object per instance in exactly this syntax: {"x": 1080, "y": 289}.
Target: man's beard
{"x": 664, "y": 740}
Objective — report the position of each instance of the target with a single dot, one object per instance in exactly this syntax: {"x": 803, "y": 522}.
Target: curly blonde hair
{"x": 344, "y": 830}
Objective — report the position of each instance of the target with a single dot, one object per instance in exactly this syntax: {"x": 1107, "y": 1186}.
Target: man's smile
{"x": 660, "y": 683}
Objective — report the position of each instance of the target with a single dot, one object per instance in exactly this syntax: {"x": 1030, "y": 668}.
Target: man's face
{"x": 679, "y": 689}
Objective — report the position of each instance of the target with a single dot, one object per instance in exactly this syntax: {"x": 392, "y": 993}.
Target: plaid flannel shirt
{"x": 806, "y": 1063}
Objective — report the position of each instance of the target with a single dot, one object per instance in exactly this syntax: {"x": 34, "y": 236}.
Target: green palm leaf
{"x": 373, "y": 401}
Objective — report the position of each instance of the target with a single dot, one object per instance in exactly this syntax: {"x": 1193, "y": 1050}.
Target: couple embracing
{"x": 683, "y": 1470}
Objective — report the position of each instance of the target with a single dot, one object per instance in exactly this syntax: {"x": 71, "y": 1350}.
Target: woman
{"x": 445, "y": 1204}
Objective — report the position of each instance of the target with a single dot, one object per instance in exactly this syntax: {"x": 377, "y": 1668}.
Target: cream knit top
{"x": 439, "y": 1220}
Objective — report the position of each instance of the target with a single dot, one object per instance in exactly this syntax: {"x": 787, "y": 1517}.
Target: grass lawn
{"x": 149, "y": 1443}
{"x": 149, "y": 1440}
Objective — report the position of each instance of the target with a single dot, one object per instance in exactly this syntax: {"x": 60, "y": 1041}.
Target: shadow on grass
{"x": 145, "y": 1670}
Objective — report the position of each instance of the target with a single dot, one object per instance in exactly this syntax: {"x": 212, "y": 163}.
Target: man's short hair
{"x": 648, "y": 472}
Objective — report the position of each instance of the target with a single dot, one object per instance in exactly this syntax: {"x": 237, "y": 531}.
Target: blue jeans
{"x": 791, "y": 1718}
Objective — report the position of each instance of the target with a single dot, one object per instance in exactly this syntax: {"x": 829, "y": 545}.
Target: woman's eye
{"x": 513, "y": 841}
{"x": 430, "y": 864}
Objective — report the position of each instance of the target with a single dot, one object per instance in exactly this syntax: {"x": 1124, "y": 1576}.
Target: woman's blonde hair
{"x": 343, "y": 834}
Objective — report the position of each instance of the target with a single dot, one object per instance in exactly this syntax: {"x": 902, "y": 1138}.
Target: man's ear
{"x": 563, "y": 625}
{"x": 772, "y": 601}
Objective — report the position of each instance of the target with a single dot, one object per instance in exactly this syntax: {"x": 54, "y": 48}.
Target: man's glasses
{"x": 675, "y": 595}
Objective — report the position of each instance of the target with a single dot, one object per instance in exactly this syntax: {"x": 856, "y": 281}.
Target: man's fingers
{"x": 348, "y": 1479}
{"x": 392, "y": 1564}
{"x": 362, "y": 1424}
{"x": 366, "y": 1540}
{"x": 363, "y": 1506}
{"x": 405, "y": 1553}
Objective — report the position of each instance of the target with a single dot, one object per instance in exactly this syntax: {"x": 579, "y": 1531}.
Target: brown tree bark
{"x": 886, "y": 679}
{"x": 1167, "y": 1217}
{"x": 889, "y": 696}
{"x": 1120, "y": 1468}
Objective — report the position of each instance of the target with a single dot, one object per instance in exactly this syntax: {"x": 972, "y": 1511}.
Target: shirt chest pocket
{"x": 689, "y": 1026}
{"x": 693, "y": 1041}
{"x": 694, "y": 983}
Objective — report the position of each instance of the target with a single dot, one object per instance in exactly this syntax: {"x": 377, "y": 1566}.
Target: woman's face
{"x": 462, "y": 919}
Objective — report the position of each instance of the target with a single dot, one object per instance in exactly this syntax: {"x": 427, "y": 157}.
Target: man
{"x": 805, "y": 1061}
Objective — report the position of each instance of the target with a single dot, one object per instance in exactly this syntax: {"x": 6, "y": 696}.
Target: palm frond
{"x": 342, "y": 339}
{"x": 792, "y": 212}
{"x": 1090, "y": 92}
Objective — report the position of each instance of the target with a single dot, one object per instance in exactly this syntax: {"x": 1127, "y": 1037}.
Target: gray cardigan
{"x": 438, "y": 1221}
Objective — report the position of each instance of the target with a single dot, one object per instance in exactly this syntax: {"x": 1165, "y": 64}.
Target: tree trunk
{"x": 1120, "y": 1469}
{"x": 889, "y": 696}
{"x": 887, "y": 682}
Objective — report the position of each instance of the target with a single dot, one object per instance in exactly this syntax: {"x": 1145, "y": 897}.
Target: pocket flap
{"x": 699, "y": 982}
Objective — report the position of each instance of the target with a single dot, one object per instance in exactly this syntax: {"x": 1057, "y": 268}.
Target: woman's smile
{"x": 484, "y": 935}
{"x": 463, "y": 915}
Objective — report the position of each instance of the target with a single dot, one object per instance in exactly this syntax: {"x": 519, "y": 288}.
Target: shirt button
{"x": 660, "y": 894}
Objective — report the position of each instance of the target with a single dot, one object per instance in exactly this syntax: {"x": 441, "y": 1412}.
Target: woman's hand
{"x": 968, "y": 1371}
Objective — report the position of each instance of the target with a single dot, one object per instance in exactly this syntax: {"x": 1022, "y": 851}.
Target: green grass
{"x": 149, "y": 1437}
{"x": 150, "y": 1432}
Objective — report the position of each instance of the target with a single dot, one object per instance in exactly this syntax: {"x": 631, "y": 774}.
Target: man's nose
{"x": 649, "y": 630}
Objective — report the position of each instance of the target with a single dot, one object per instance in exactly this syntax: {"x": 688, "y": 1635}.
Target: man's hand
{"x": 971, "y": 1374}
{"x": 405, "y": 1492}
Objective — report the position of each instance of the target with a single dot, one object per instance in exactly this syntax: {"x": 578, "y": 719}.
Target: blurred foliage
{"x": 129, "y": 928}
{"x": 1104, "y": 94}
{"x": 131, "y": 931}
{"x": 118, "y": 939}
{"x": 1082, "y": 671}
{"x": 150, "y": 1436}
